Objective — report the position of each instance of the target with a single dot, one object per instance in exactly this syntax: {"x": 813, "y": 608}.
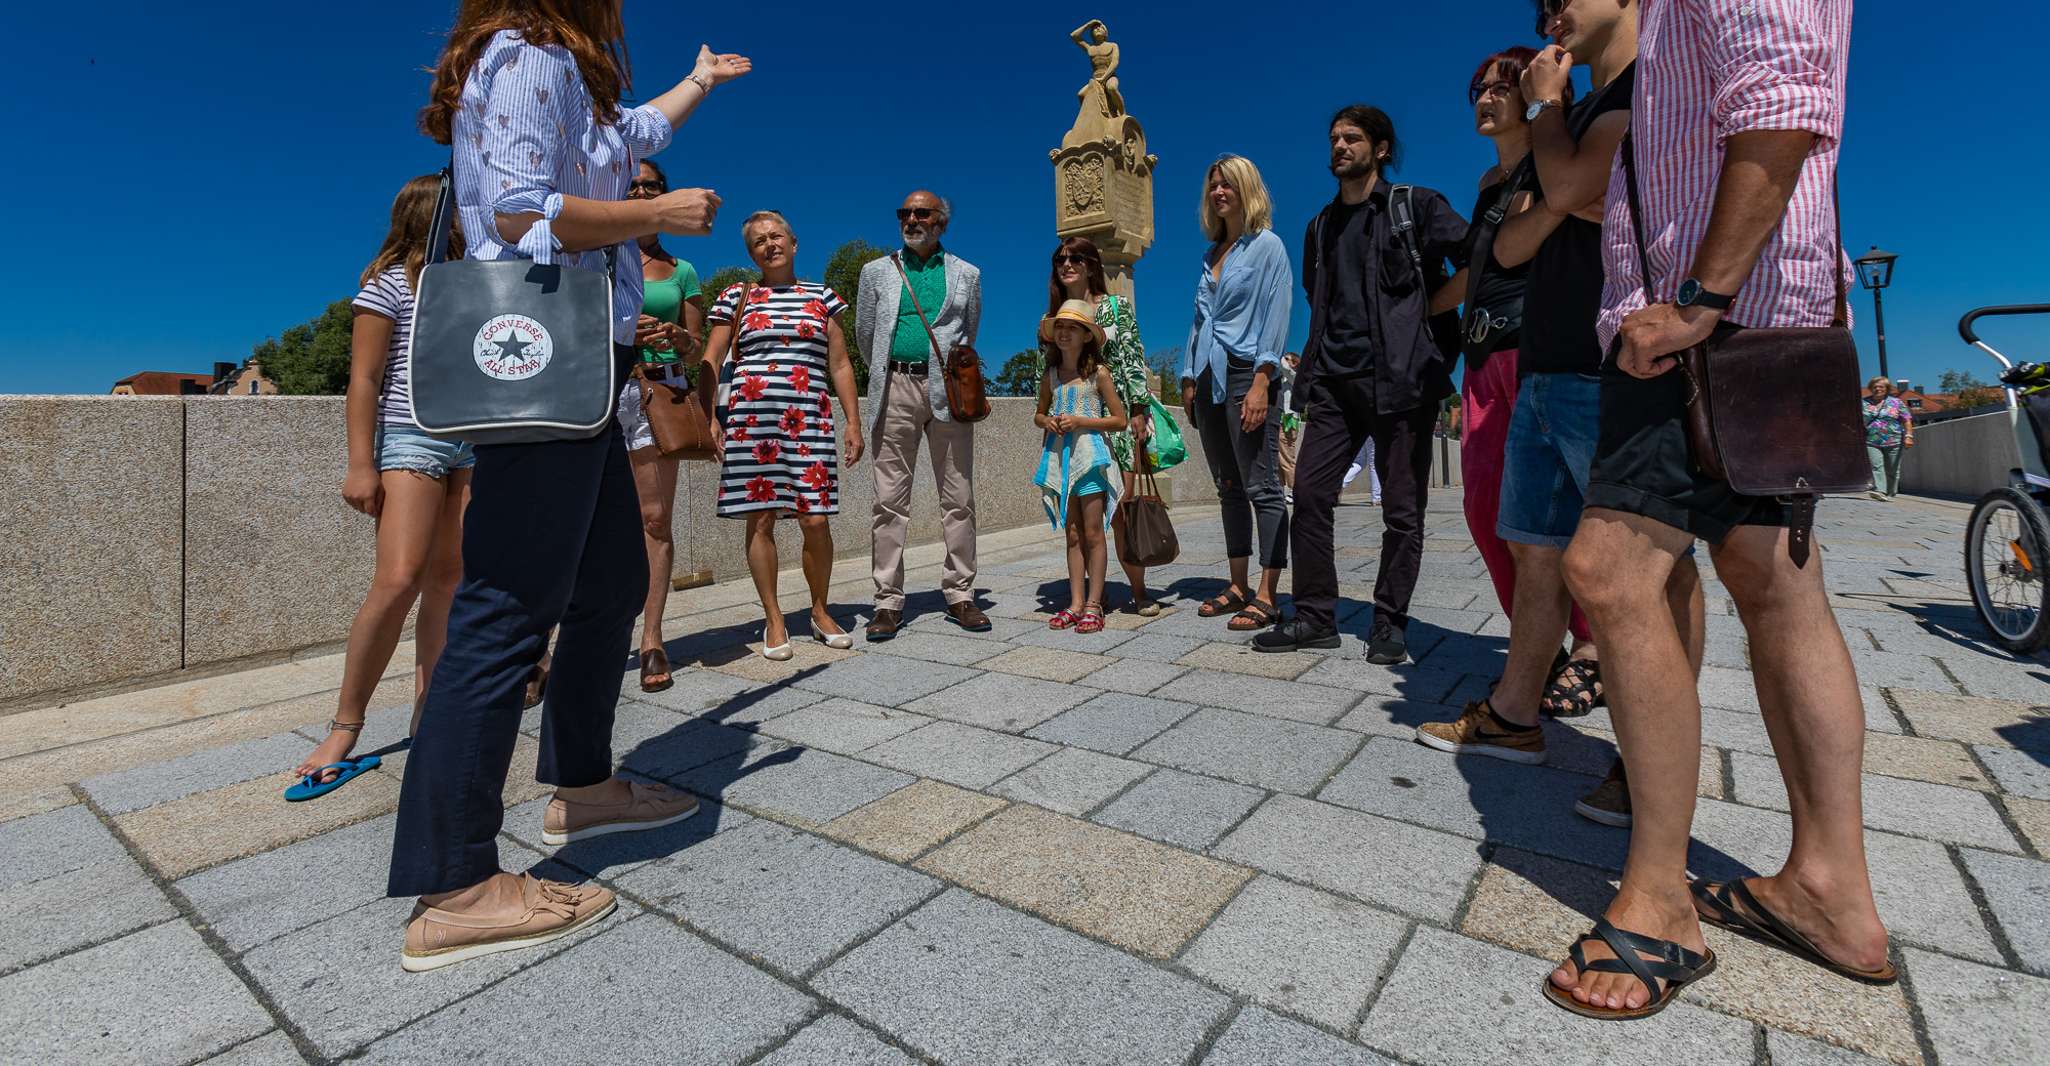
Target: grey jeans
{"x": 1246, "y": 467}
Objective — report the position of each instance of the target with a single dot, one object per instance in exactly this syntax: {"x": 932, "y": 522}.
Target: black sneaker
{"x": 1294, "y": 634}
{"x": 1387, "y": 647}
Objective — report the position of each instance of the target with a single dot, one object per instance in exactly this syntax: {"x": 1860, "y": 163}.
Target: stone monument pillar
{"x": 1103, "y": 178}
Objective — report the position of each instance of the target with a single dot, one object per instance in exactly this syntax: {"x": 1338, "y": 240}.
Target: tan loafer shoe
{"x": 549, "y": 910}
{"x": 650, "y": 807}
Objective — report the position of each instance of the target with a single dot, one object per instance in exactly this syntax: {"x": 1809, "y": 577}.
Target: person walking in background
{"x": 414, "y": 485}
{"x": 1233, "y": 356}
{"x": 778, "y": 452}
{"x": 669, "y": 335}
{"x": 1372, "y": 371}
{"x": 1557, "y": 417}
{"x": 1745, "y": 98}
{"x": 1363, "y": 463}
{"x": 1078, "y": 275}
{"x": 916, "y": 300}
{"x": 1079, "y": 406}
{"x": 527, "y": 95}
{"x": 1291, "y": 424}
{"x": 1889, "y": 427}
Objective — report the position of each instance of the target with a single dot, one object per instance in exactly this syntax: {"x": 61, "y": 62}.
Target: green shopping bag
{"x": 1164, "y": 448}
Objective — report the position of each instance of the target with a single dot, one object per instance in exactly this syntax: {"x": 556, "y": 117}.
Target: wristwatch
{"x": 1693, "y": 295}
{"x": 1537, "y": 107}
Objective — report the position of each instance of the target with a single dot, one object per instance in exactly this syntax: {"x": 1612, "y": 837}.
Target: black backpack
{"x": 1444, "y": 327}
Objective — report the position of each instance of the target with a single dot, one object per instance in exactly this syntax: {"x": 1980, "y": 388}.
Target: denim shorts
{"x": 1552, "y": 438}
{"x": 403, "y": 447}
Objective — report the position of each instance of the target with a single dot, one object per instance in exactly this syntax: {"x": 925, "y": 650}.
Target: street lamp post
{"x": 1875, "y": 272}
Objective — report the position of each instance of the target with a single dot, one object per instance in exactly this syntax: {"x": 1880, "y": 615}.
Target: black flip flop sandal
{"x": 1719, "y": 906}
{"x": 1675, "y": 965}
{"x": 1576, "y": 690}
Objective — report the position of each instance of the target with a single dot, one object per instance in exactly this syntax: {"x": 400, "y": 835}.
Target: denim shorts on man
{"x": 402, "y": 447}
{"x": 1552, "y": 437}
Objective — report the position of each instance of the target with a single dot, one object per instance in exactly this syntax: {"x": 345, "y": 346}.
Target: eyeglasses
{"x": 923, "y": 214}
{"x": 1476, "y": 93}
{"x": 645, "y": 184}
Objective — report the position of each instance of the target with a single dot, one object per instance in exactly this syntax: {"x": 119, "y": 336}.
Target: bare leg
{"x": 1270, "y": 585}
{"x": 761, "y": 562}
{"x": 438, "y": 590}
{"x": 1078, "y": 559}
{"x": 1087, "y": 511}
{"x": 1808, "y": 692}
{"x": 1617, "y": 569}
{"x": 655, "y": 481}
{"x": 1240, "y": 582}
{"x": 818, "y": 570}
{"x": 405, "y": 540}
{"x": 1536, "y": 627}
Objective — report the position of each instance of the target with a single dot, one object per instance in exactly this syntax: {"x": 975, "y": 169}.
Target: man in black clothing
{"x": 1373, "y": 367}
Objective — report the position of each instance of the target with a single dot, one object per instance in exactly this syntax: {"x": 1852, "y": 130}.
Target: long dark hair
{"x": 1057, "y": 293}
{"x": 405, "y": 243}
{"x": 591, "y": 30}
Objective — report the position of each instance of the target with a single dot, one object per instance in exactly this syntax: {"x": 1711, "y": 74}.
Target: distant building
{"x": 247, "y": 381}
{"x": 163, "y": 383}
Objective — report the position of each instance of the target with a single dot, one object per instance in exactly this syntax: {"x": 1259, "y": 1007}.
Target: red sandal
{"x": 1064, "y": 620}
{"x": 1091, "y": 620}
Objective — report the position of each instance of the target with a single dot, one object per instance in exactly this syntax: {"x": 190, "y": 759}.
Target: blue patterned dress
{"x": 1079, "y": 463}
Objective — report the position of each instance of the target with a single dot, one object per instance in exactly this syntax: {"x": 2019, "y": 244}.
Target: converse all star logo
{"x": 513, "y": 348}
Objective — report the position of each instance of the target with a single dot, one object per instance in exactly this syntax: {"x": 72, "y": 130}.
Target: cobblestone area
{"x": 1144, "y": 846}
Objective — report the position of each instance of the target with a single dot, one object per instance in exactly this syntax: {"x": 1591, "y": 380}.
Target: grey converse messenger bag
{"x": 510, "y": 351}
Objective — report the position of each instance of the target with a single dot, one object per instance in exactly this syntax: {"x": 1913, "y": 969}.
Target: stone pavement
{"x": 1144, "y": 846}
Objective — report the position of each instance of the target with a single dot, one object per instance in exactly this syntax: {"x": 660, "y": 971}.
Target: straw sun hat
{"x": 1077, "y": 311}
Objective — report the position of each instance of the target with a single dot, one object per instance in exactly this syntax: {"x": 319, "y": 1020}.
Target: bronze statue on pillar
{"x": 1103, "y": 177}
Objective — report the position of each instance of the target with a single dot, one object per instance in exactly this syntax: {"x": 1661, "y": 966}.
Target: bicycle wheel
{"x": 2007, "y": 561}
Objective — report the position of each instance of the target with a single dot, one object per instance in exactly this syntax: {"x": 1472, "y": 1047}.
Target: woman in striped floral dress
{"x": 778, "y": 454}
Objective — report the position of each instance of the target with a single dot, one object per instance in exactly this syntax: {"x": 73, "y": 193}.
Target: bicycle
{"x": 2007, "y": 539}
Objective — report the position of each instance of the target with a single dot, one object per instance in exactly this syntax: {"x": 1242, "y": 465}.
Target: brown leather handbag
{"x": 679, "y": 414}
{"x": 1773, "y": 410}
{"x": 967, "y": 398}
{"x": 1149, "y": 538}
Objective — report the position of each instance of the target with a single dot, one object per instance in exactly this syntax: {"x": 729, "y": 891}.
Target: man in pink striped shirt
{"x": 1734, "y": 127}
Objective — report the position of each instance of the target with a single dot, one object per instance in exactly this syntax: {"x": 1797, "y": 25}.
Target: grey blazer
{"x": 953, "y": 323}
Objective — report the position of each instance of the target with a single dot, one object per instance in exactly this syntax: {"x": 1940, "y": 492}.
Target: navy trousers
{"x": 552, "y": 537}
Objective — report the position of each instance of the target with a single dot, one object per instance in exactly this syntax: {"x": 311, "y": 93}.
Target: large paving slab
{"x": 1072, "y": 781}
{"x": 1350, "y": 853}
{"x": 913, "y": 820}
{"x": 1940, "y": 812}
{"x": 835, "y": 1041}
{"x": 1183, "y": 809}
{"x": 2018, "y": 892}
{"x": 968, "y": 982}
{"x": 1259, "y": 1037}
{"x": 1113, "y": 722}
{"x": 1251, "y": 749}
{"x": 1299, "y": 951}
{"x": 963, "y": 755}
{"x": 1979, "y": 1013}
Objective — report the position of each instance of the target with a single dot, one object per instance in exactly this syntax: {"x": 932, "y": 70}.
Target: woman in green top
{"x": 671, "y": 328}
{"x": 1078, "y": 275}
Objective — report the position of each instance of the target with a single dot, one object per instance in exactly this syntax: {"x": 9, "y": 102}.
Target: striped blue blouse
{"x": 525, "y": 138}
{"x": 1244, "y": 314}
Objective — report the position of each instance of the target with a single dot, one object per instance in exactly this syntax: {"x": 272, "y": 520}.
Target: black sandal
{"x": 1255, "y": 615}
{"x": 1576, "y": 690}
{"x": 537, "y": 687}
{"x": 1675, "y": 965}
{"x": 1223, "y": 603}
{"x": 655, "y": 663}
{"x": 1717, "y": 904}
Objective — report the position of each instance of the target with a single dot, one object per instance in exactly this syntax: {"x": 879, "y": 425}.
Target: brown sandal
{"x": 655, "y": 663}
{"x": 537, "y": 687}
{"x": 1223, "y": 603}
{"x": 1255, "y": 615}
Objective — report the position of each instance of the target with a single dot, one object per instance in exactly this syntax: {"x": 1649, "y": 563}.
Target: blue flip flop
{"x": 311, "y": 787}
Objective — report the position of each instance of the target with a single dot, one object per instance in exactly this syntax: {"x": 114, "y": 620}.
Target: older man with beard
{"x": 915, "y": 305}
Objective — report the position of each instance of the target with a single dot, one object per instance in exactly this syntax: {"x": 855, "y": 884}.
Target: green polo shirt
{"x": 928, "y": 277}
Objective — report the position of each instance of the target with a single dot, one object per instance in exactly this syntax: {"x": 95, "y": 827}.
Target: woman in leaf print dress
{"x": 778, "y": 454}
{"x": 1078, "y": 275}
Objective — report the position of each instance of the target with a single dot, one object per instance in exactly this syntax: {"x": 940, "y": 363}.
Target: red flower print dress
{"x": 781, "y": 453}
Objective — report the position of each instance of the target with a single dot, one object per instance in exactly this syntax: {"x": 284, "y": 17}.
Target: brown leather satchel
{"x": 680, "y": 414}
{"x": 1149, "y": 538}
{"x": 1773, "y": 411}
{"x": 967, "y": 399}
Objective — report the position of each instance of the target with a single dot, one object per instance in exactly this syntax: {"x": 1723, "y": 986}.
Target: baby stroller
{"x": 2007, "y": 541}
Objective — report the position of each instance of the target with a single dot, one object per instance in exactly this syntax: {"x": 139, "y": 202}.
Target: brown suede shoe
{"x": 968, "y": 616}
{"x": 885, "y": 624}
{"x": 650, "y": 807}
{"x": 549, "y": 910}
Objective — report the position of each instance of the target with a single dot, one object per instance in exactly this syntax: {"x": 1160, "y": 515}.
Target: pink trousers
{"x": 1486, "y": 397}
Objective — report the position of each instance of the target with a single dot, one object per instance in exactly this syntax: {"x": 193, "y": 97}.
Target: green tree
{"x": 312, "y": 358}
{"x": 1020, "y": 375}
{"x": 843, "y": 275}
{"x": 1167, "y": 362}
{"x": 725, "y": 278}
{"x": 1957, "y": 381}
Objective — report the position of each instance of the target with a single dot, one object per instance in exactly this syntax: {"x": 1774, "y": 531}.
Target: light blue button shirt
{"x": 1244, "y": 313}
{"x": 525, "y": 138}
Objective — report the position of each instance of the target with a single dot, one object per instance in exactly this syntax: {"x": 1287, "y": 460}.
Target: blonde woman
{"x": 1233, "y": 356}
{"x": 1889, "y": 427}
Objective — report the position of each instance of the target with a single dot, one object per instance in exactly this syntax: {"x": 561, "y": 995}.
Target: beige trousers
{"x": 907, "y": 415}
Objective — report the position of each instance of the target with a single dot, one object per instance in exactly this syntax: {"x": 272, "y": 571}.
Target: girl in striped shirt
{"x": 414, "y": 486}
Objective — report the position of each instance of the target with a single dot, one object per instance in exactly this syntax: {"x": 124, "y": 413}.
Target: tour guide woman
{"x": 527, "y": 94}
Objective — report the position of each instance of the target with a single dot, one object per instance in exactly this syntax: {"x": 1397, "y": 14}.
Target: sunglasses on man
{"x": 923, "y": 214}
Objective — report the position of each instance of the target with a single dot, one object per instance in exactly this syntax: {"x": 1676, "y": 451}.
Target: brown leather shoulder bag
{"x": 1773, "y": 411}
{"x": 967, "y": 399}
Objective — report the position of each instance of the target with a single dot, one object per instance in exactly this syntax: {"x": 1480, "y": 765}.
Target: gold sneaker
{"x": 548, "y": 910}
{"x": 647, "y": 807}
{"x": 1480, "y": 731}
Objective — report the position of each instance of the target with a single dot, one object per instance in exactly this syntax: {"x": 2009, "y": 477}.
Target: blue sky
{"x": 184, "y": 184}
